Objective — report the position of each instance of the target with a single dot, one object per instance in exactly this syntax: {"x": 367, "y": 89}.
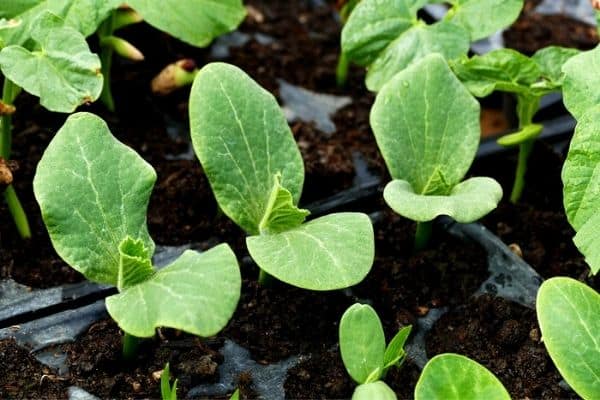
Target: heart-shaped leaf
{"x": 362, "y": 343}
{"x": 331, "y": 252}
{"x": 62, "y": 71}
{"x": 243, "y": 141}
{"x": 484, "y": 17}
{"x": 197, "y": 293}
{"x": 455, "y": 377}
{"x": 374, "y": 390}
{"x": 567, "y": 312}
{"x": 196, "y": 22}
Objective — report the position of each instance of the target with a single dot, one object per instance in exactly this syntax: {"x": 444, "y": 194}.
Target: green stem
{"x": 131, "y": 345}
{"x": 341, "y": 71}
{"x": 423, "y": 234}
{"x": 525, "y": 149}
{"x": 106, "y": 56}
{"x": 264, "y": 278}
{"x": 17, "y": 212}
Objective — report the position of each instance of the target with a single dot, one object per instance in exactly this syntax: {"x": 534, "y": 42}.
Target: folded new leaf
{"x": 93, "y": 192}
{"x": 427, "y": 127}
{"x": 255, "y": 169}
{"x": 61, "y": 70}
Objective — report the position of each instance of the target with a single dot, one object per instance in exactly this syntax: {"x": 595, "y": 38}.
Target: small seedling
{"x": 93, "y": 192}
{"x": 167, "y": 392}
{"x": 427, "y": 127}
{"x": 364, "y": 352}
{"x": 386, "y": 36}
{"x": 529, "y": 79}
{"x": 455, "y": 377}
{"x": 255, "y": 169}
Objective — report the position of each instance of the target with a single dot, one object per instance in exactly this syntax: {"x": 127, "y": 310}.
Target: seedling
{"x": 386, "y": 36}
{"x": 365, "y": 355}
{"x": 167, "y": 392}
{"x": 48, "y": 59}
{"x": 93, "y": 192}
{"x": 427, "y": 127}
{"x": 249, "y": 155}
{"x": 529, "y": 79}
{"x": 455, "y": 377}
{"x": 567, "y": 312}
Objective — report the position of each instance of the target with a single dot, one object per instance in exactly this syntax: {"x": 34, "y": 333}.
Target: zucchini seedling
{"x": 49, "y": 59}
{"x": 386, "y": 36}
{"x": 426, "y": 124}
{"x": 93, "y": 192}
{"x": 529, "y": 79}
{"x": 567, "y": 312}
{"x": 255, "y": 169}
{"x": 364, "y": 352}
{"x": 167, "y": 391}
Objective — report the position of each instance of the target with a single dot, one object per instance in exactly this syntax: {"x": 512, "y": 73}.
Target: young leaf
{"x": 551, "y": 60}
{"x": 455, "y": 377}
{"x": 62, "y": 72}
{"x": 394, "y": 353}
{"x": 135, "y": 263}
{"x": 580, "y": 88}
{"x": 281, "y": 213}
{"x": 166, "y": 391}
{"x": 93, "y": 192}
{"x": 581, "y": 180}
{"x": 331, "y": 252}
{"x": 362, "y": 343}
{"x": 484, "y": 17}
{"x": 196, "y": 22}
{"x": 445, "y": 38}
{"x": 427, "y": 127}
{"x": 242, "y": 140}
{"x": 197, "y": 293}
{"x": 568, "y": 312}
{"x": 235, "y": 395}
{"x": 374, "y": 390}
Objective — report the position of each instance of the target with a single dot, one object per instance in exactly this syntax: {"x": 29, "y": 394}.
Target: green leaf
{"x": 327, "y": 253}
{"x": 568, "y": 312}
{"x": 445, "y": 38}
{"x": 455, "y": 377}
{"x": 587, "y": 241}
{"x": 528, "y": 132}
{"x": 362, "y": 343}
{"x": 373, "y": 25}
{"x": 196, "y": 22}
{"x": 394, "y": 353}
{"x": 242, "y": 140}
{"x": 467, "y": 202}
{"x": 281, "y": 213}
{"x": 580, "y": 87}
{"x": 374, "y": 391}
{"x": 504, "y": 70}
{"x": 93, "y": 192}
{"x": 551, "y": 59}
{"x": 427, "y": 126}
{"x": 235, "y": 395}
{"x": 166, "y": 391}
{"x": 484, "y": 17}
{"x": 83, "y": 15}
{"x": 135, "y": 263}
{"x": 63, "y": 72}
{"x": 197, "y": 293}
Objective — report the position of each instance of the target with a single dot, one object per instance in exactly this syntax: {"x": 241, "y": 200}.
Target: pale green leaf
{"x": 135, "y": 263}
{"x": 197, "y": 293}
{"x": 484, "y": 17}
{"x": 467, "y": 202}
{"x": 394, "y": 351}
{"x": 445, "y": 38}
{"x": 93, "y": 192}
{"x": 373, "y": 25}
{"x": 331, "y": 252}
{"x": 427, "y": 126}
{"x": 567, "y": 312}
{"x": 455, "y": 377}
{"x": 242, "y": 140}
{"x": 196, "y": 22}
{"x": 63, "y": 72}
{"x": 281, "y": 213}
{"x": 582, "y": 80}
{"x": 587, "y": 241}
{"x": 551, "y": 59}
{"x": 362, "y": 343}
{"x": 235, "y": 395}
{"x": 374, "y": 391}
